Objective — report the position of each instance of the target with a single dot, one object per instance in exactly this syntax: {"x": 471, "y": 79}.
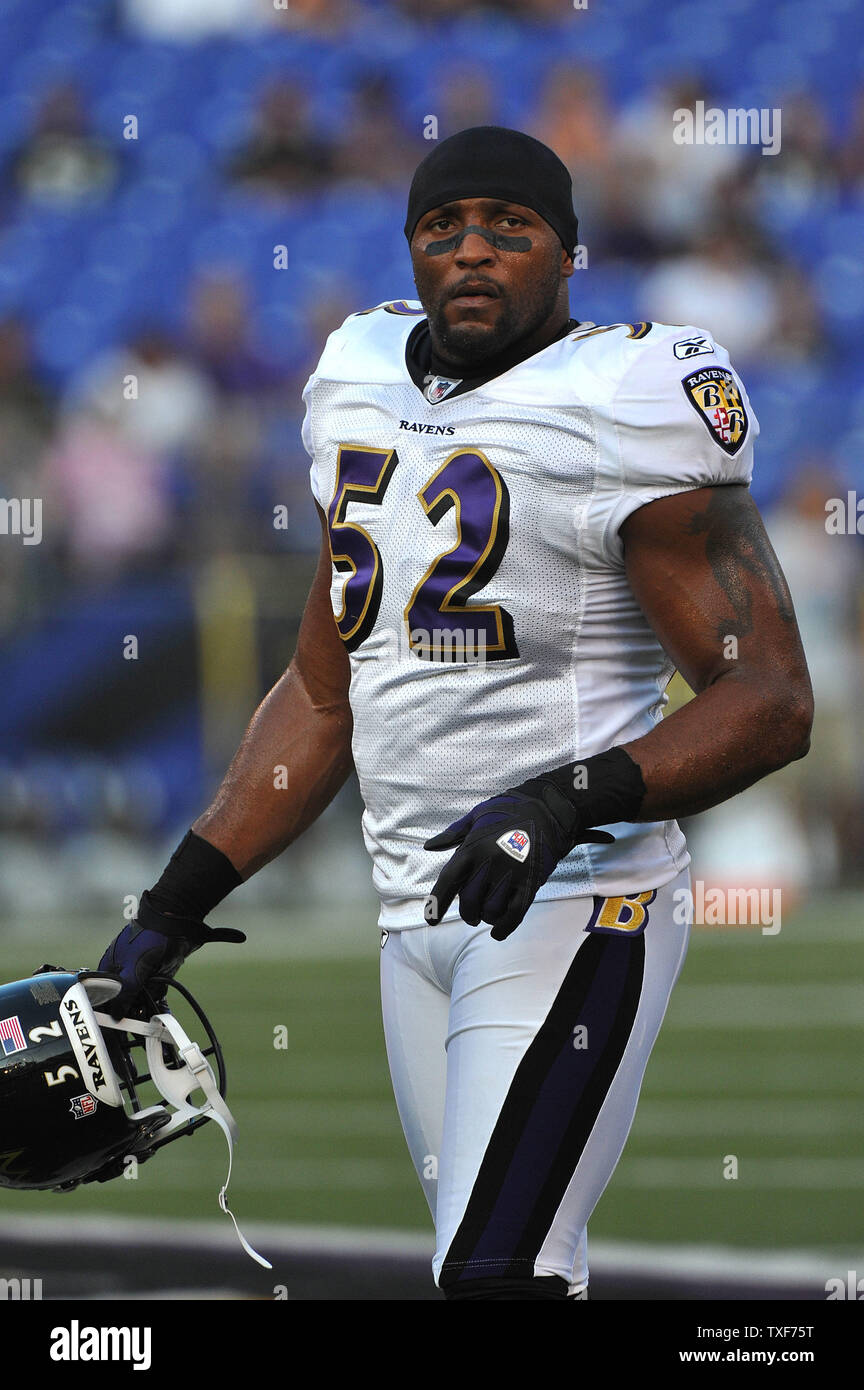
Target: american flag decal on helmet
{"x": 11, "y": 1037}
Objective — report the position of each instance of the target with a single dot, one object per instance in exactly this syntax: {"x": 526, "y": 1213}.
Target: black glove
{"x": 153, "y": 944}
{"x": 510, "y": 844}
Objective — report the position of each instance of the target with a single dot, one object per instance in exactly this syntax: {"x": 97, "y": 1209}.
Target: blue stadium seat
{"x": 175, "y": 154}
{"x": 778, "y": 65}
{"x": 849, "y": 456}
{"x": 227, "y": 239}
{"x": 150, "y": 68}
{"x": 74, "y": 30}
{"x": 843, "y": 232}
{"x": 155, "y": 111}
{"x": 157, "y": 202}
{"x": 68, "y": 336}
{"x": 839, "y": 286}
{"x": 855, "y": 401}
{"x": 606, "y": 293}
{"x": 281, "y": 331}
{"x": 250, "y": 65}
{"x": 34, "y": 70}
{"x": 798, "y": 228}
{"x": 692, "y": 44}
{"x": 15, "y": 120}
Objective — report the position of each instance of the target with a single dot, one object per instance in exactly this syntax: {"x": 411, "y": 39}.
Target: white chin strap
{"x": 176, "y": 1084}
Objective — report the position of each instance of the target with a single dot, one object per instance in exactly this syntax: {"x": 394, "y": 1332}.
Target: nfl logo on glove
{"x": 515, "y": 844}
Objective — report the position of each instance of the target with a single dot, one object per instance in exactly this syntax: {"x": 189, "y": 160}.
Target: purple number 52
{"x": 442, "y": 625}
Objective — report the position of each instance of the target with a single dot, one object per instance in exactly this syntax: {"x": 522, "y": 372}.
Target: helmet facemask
{"x": 83, "y": 1047}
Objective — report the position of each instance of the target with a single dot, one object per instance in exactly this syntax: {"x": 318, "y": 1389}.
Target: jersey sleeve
{"x": 681, "y": 419}
{"x": 306, "y": 437}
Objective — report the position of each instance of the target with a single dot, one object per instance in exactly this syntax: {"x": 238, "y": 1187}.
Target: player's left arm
{"x": 706, "y": 577}
{"x": 703, "y": 570}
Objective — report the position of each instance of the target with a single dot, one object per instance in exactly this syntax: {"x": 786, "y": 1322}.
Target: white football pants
{"x": 517, "y": 1065}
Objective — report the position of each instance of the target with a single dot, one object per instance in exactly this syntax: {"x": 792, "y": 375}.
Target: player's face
{"x": 489, "y": 274}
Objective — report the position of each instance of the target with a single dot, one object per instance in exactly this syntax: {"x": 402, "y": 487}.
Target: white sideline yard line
{"x": 764, "y": 1174}
{"x": 722, "y": 1262}
{"x": 213, "y": 1235}
{"x": 699, "y": 1261}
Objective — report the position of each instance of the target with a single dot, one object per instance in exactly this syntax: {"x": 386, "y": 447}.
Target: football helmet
{"x": 71, "y": 1084}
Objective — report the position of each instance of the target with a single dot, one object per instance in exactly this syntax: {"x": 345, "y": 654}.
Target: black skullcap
{"x": 490, "y": 161}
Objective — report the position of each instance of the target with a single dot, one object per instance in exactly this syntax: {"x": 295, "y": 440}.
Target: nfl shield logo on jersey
{"x": 715, "y": 396}
{"x": 438, "y": 387}
{"x": 516, "y": 844}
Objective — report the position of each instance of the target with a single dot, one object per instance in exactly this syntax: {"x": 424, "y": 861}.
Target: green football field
{"x": 757, "y": 1070}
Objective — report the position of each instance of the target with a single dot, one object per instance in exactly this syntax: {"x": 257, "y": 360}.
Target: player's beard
{"x": 520, "y": 315}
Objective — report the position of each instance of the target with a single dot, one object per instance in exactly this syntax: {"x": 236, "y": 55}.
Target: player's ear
{"x": 567, "y": 266}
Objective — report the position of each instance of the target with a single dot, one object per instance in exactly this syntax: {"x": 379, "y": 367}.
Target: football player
{"x": 528, "y": 522}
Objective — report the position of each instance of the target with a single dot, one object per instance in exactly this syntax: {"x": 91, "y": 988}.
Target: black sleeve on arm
{"x": 600, "y": 790}
{"x": 197, "y": 877}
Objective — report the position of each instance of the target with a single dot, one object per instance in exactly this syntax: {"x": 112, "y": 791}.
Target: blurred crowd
{"x": 176, "y": 444}
{"x": 171, "y": 443}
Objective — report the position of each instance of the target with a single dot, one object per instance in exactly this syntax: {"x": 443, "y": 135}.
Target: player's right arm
{"x": 294, "y": 757}
{"x": 296, "y": 752}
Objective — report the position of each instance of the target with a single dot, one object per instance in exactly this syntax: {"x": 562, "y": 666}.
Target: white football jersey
{"x": 478, "y": 575}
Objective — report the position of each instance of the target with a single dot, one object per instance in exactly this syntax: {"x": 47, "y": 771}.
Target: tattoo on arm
{"x": 736, "y": 545}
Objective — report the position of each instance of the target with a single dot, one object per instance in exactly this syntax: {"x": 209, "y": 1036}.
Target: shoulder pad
{"x": 370, "y": 345}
